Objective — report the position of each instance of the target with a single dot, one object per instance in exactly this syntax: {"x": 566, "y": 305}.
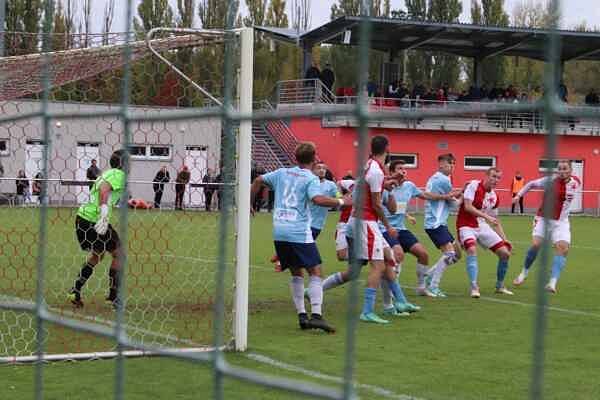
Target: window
{"x": 160, "y": 152}
{"x": 479, "y": 162}
{"x": 410, "y": 160}
{"x": 545, "y": 165}
{"x": 137, "y": 152}
{"x": 150, "y": 152}
{"x": 4, "y": 151}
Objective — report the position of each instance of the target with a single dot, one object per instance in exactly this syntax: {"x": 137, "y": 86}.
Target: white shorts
{"x": 560, "y": 230}
{"x": 340, "y": 237}
{"x": 372, "y": 243}
{"x": 484, "y": 235}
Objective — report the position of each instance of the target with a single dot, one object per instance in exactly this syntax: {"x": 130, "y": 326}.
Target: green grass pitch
{"x": 456, "y": 348}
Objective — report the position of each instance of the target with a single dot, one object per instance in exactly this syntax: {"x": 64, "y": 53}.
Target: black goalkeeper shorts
{"x": 89, "y": 240}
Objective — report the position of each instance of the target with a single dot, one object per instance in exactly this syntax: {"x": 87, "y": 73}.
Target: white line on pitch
{"x": 377, "y": 390}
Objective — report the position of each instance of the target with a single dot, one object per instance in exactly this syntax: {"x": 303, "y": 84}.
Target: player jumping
{"x": 477, "y": 222}
{"x": 295, "y": 189}
{"x": 406, "y": 241}
{"x": 564, "y": 188}
{"x": 436, "y": 222}
{"x": 94, "y": 232}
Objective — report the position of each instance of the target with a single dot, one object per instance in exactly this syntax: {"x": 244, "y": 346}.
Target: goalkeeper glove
{"x": 102, "y": 225}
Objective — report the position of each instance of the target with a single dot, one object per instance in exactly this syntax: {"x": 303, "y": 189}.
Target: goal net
{"x": 184, "y": 173}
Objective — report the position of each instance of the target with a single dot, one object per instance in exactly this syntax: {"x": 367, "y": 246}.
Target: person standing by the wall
{"x": 36, "y": 186}
{"x": 183, "y": 178}
{"x": 328, "y": 79}
{"x": 22, "y": 187}
{"x": 517, "y": 184}
{"x": 209, "y": 188}
{"x": 92, "y": 173}
{"x": 161, "y": 177}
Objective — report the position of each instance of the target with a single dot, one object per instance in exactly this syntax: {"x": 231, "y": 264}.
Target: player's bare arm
{"x": 378, "y": 207}
{"x": 470, "y": 208}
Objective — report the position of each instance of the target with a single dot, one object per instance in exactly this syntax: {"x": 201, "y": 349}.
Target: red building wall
{"x": 337, "y": 147}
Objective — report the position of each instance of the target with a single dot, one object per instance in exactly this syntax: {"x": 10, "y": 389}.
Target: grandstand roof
{"x": 464, "y": 40}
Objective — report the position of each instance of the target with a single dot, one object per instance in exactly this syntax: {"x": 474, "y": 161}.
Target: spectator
{"x": 328, "y": 77}
{"x": 392, "y": 90}
{"x": 563, "y": 92}
{"x": 22, "y": 187}
{"x": 371, "y": 88}
{"x": 312, "y": 73}
{"x": 219, "y": 179}
{"x": 183, "y": 178}
{"x": 161, "y": 177}
{"x": 516, "y": 185}
{"x": 592, "y": 99}
{"x": 36, "y": 186}
{"x": 209, "y": 188}
{"x": 1, "y": 169}
{"x": 92, "y": 173}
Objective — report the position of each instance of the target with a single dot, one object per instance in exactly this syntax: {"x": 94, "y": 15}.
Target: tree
{"x": 107, "y": 21}
{"x": 491, "y": 13}
{"x": 276, "y": 15}
{"x": 186, "y": 13}
{"x": 418, "y": 65}
{"x": 153, "y": 14}
{"x": 59, "y": 29}
{"x": 445, "y": 68}
{"x": 257, "y": 10}
{"x": 214, "y": 13}
{"x": 87, "y": 21}
{"x": 301, "y": 14}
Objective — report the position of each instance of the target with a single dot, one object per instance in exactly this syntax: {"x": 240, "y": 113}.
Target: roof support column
{"x": 306, "y": 59}
{"x": 478, "y": 71}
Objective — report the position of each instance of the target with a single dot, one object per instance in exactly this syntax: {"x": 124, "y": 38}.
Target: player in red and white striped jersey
{"x": 564, "y": 188}
{"x": 345, "y": 186}
{"x": 477, "y": 222}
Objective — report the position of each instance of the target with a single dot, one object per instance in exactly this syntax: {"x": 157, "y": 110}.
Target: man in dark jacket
{"x": 162, "y": 177}
{"x": 312, "y": 74}
{"x": 328, "y": 77}
{"x": 209, "y": 188}
{"x": 92, "y": 173}
{"x": 183, "y": 178}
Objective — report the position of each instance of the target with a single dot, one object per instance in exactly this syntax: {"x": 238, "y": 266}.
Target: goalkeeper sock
{"x": 113, "y": 283}
{"x": 297, "y": 287}
{"x": 315, "y": 292}
{"x": 84, "y": 275}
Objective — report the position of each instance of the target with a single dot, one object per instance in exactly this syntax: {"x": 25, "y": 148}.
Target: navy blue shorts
{"x": 440, "y": 236}
{"x": 391, "y": 241}
{"x": 315, "y": 232}
{"x": 297, "y": 255}
{"x": 405, "y": 239}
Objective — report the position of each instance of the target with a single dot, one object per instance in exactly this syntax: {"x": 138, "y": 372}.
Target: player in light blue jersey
{"x": 295, "y": 190}
{"x": 406, "y": 241}
{"x": 436, "y": 221}
{"x": 327, "y": 188}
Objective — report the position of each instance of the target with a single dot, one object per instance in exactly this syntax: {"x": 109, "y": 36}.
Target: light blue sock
{"x": 530, "y": 258}
{"x": 558, "y": 264}
{"x": 501, "y": 272}
{"x": 472, "y": 268}
{"x": 397, "y": 291}
{"x": 369, "y": 304}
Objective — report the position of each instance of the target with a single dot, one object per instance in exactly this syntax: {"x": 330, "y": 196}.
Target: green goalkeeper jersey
{"x": 115, "y": 177}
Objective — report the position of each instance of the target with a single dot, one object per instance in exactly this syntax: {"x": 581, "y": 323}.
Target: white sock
{"x": 387, "y": 294}
{"x": 524, "y": 272}
{"x": 333, "y": 280}
{"x": 315, "y": 292}
{"x": 421, "y": 273}
{"x": 429, "y": 272}
{"x": 440, "y": 267}
{"x": 297, "y": 288}
{"x": 553, "y": 282}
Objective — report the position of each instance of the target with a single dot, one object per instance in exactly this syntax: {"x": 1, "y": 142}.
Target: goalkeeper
{"x": 95, "y": 234}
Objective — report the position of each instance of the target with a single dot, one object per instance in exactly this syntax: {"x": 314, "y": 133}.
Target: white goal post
{"x": 149, "y": 327}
